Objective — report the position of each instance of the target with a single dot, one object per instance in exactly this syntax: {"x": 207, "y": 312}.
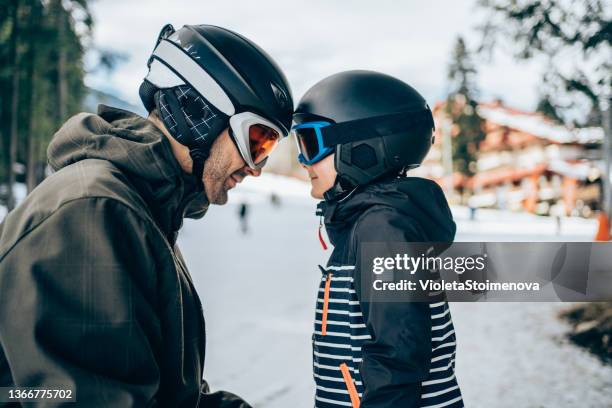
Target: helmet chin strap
{"x": 341, "y": 190}
{"x": 344, "y": 188}
{"x": 198, "y": 158}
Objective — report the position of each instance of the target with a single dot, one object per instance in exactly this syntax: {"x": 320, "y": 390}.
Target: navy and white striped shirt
{"x": 340, "y": 332}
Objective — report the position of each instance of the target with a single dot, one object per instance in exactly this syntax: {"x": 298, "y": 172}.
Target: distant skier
{"x": 243, "y": 212}
{"x": 275, "y": 200}
{"x": 556, "y": 212}
{"x": 472, "y": 212}
{"x": 358, "y": 133}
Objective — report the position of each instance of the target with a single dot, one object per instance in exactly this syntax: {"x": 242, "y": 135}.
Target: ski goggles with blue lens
{"x": 316, "y": 140}
{"x": 309, "y": 139}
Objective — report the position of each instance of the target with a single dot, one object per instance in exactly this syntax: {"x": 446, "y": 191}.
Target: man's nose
{"x": 252, "y": 172}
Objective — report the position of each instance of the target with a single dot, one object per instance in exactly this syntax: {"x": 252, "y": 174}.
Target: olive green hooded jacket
{"x": 94, "y": 293}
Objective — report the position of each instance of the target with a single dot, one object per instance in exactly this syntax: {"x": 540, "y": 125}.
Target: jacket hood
{"x": 420, "y": 199}
{"x": 140, "y": 150}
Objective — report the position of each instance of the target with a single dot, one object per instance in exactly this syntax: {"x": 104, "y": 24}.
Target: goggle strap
{"x": 185, "y": 67}
{"x": 367, "y": 128}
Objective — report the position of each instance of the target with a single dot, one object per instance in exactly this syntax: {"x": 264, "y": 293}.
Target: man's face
{"x": 223, "y": 169}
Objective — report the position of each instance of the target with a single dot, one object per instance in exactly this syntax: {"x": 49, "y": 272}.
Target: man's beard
{"x": 216, "y": 173}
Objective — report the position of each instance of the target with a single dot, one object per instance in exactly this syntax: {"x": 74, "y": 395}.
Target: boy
{"x": 358, "y": 132}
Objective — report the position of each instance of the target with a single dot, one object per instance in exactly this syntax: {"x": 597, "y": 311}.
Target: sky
{"x": 312, "y": 40}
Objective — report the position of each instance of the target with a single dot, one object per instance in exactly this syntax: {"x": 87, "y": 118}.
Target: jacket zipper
{"x": 350, "y": 385}
{"x": 325, "y": 304}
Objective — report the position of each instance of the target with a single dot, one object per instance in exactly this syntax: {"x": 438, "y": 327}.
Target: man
{"x": 95, "y": 296}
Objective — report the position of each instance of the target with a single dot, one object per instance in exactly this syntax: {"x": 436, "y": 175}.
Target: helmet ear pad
{"x": 361, "y": 162}
{"x": 190, "y": 119}
{"x": 358, "y": 163}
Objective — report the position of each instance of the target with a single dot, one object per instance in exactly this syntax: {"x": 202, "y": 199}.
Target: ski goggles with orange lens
{"x": 255, "y": 138}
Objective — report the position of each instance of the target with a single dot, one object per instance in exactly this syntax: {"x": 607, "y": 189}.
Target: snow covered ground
{"x": 258, "y": 292}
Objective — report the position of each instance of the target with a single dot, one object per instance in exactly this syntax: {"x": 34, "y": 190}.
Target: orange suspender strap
{"x": 350, "y": 385}
{"x": 325, "y": 305}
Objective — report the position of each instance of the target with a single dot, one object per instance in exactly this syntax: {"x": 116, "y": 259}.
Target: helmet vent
{"x": 281, "y": 97}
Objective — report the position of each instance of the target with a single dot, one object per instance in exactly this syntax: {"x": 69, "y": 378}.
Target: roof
{"x": 539, "y": 126}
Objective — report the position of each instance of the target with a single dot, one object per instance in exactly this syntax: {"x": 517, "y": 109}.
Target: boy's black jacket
{"x": 419, "y": 200}
{"x": 407, "y": 209}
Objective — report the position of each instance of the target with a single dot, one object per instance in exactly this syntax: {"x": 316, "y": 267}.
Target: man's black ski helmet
{"x": 201, "y": 75}
{"x": 381, "y": 125}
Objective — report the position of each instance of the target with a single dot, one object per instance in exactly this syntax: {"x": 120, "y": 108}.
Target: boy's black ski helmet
{"x": 380, "y": 125}
{"x": 201, "y": 75}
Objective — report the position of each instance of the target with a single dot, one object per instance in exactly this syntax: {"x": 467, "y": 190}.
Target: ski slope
{"x": 258, "y": 291}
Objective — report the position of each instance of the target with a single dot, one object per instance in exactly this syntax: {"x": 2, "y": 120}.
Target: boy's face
{"x": 322, "y": 176}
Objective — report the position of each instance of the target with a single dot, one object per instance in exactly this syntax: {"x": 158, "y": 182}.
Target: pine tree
{"x": 579, "y": 31}
{"x": 548, "y": 109}
{"x": 41, "y": 81}
{"x": 461, "y": 106}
